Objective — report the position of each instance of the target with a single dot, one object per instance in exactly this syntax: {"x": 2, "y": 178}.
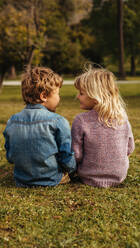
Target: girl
{"x": 102, "y": 137}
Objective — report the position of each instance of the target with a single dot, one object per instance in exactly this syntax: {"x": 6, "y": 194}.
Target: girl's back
{"x": 103, "y": 159}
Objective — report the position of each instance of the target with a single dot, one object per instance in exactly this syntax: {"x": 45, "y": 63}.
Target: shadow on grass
{"x": 6, "y": 176}
{"x": 137, "y": 97}
{"x": 3, "y": 122}
{"x": 7, "y": 180}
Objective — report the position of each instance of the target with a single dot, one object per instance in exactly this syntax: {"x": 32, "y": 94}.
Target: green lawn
{"x": 72, "y": 215}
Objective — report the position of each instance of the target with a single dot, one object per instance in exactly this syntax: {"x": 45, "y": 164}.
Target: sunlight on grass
{"x": 72, "y": 215}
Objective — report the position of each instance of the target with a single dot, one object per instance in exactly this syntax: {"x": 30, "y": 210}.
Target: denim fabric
{"x": 38, "y": 142}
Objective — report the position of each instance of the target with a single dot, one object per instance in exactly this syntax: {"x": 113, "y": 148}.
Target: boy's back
{"x": 38, "y": 142}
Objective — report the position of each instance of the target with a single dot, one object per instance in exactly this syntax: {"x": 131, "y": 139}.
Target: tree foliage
{"x": 65, "y": 34}
{"x": 21, "y": 34}
{"x": 131, "y": 32}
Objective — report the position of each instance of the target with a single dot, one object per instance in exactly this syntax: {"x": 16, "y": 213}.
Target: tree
{"x": 121, "y": 38}
{"x": 41, "y": 32}
{"x": 131, "y": 32}
{"x": 75, "y": 10}
{"x": 21, "y": 36}
{"x": 103, "y": 26}
{"x": 63, "y": 51}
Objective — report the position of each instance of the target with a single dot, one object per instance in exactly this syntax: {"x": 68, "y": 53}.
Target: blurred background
{"x": 66, "y": 34}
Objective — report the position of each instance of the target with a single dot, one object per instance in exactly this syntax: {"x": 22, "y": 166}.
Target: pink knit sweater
{"x": 101, "y": 152}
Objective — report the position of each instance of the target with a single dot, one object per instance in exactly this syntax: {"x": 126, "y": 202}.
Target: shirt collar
{"x": 35, "y": 106}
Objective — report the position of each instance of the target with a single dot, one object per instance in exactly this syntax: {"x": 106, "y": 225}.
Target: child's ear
{"x": 95, "y": 101}
{"x": 43, "y": 97}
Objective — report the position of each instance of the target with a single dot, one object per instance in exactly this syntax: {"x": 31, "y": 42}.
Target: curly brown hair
{"x": 38, "y": 80}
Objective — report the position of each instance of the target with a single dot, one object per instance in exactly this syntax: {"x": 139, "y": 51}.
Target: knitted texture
{"x": 101, "y": 152}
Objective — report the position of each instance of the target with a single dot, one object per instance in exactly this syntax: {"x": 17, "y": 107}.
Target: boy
{"x": 37, "y": 140}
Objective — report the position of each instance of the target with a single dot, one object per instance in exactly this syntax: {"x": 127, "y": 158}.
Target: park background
{"x": 65, "y": 35}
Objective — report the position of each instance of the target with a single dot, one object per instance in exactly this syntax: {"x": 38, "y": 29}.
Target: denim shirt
{"x": 38, "y": 142}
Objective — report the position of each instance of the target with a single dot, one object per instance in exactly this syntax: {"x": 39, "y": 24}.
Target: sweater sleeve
{"x": 131, "y": 143}
{"x": 77, "y": 139}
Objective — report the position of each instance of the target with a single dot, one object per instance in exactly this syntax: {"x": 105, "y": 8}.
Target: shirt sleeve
{"x": 131, "y": 143}
{"x": 77, "y": 139}
{"x": 7, "y": 143}
{"x": 65, "y": 156}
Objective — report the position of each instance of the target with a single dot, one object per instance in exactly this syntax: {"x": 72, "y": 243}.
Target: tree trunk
{"x": 121, "y": 39}
{"x": 30, "y": 57}
{"x": 12, "y": 72}
{"x": 133, "y": 66}
{"x": 2, "y": 74}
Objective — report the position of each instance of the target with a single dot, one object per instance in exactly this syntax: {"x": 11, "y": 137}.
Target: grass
{"x": 130, "y": 78}
{"x": 72, "y": 215}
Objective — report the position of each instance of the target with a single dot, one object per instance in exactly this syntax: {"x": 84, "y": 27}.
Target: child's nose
{"x": 77, "y": 96}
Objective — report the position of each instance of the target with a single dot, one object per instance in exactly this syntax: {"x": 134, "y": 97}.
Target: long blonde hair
{"x": 99, "y": 84}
